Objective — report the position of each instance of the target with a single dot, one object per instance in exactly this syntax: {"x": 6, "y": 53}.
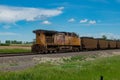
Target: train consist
{"x": 54, "y": 41}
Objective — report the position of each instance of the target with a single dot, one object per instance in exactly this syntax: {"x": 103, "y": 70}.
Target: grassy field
{"x": 15, "y": 49}
{"x": 75, "y": 68}
{"x": 23, "y": 45}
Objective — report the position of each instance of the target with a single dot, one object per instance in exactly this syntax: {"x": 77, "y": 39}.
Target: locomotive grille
{"x": 49, "y": 39}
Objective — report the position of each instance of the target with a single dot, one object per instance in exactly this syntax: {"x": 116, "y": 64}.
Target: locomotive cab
{"x": 43, "y": 38}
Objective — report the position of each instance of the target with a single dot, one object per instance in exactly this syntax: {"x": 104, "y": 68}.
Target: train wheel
{"x": 45, "y": 52}
{"x": 55, "y": 51}
{"x": 41, "y": 52}
{"x": 77, "y": 50}
{"x": 50, "y": 51}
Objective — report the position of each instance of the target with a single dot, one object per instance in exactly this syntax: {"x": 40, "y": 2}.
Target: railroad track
{"x": 30, "y": 53}
{"x": 16, "y": 54}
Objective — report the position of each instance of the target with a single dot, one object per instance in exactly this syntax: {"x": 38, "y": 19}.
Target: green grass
{"x": 14, "y": 50}
{"x": 3, "y": 44}
{"x": 76, "y": 68}
{"x": 23, "y": 45}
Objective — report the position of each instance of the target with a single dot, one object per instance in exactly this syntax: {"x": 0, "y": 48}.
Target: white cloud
{"x": 88, "y": 21}
{"x": 111, "y": 35}
{"x": 9, "y": 14}
{"x": 46, "y": 22}
{"x": 99, "y": 35}
{"x": 83, "y": 21}
{"x": 8, "y": 34}
{"x": 71, "y": 20}
{"x": 60, "y": 8}
{"x": 92, "y": 22}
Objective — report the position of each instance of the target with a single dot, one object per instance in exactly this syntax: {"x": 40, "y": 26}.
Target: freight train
{"x": 48, "y": 41}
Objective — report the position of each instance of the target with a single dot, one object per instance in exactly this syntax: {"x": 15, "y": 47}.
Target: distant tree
{"x": 104, "y": 37}
{"x": 20, "y": 42}
{"x": 8, "y": 42}
{"x": 16, "y": 42}
{"x": 118, "y": 39}
{"x": 26, "y": 42}
{"x": 34, "y": 41}
{"x": 13, "y": 42}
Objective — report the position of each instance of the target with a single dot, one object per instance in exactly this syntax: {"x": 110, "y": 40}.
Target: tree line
{"x": 16, "y": 42}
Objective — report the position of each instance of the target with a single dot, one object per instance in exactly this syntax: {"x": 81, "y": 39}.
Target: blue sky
{"x": 18, "y": 18}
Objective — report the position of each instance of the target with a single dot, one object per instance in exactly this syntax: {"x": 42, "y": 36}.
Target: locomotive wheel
{"x": 50, "y": 51}
{"x": 35, "y": 48}
{"x": 46, "y": 52}
{"x": 55, "y": 51}
{"x": 39, "y": 49}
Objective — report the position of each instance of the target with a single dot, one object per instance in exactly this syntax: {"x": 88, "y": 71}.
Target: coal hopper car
{"x": 112, "y": 44}
{"x": 102, "y": 43}
{"x": 118, "y": 44}
{"x": 88, "y": 43}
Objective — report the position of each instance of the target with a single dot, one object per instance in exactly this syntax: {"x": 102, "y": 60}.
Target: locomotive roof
{"x": 52, "y": 31}
{"x": 45, "y": 31}
{"x": 87, "y": 37}
{"x": 69, "y": 33}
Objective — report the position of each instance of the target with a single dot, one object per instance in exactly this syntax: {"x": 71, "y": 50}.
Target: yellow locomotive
{"x": 54, "y": 41}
